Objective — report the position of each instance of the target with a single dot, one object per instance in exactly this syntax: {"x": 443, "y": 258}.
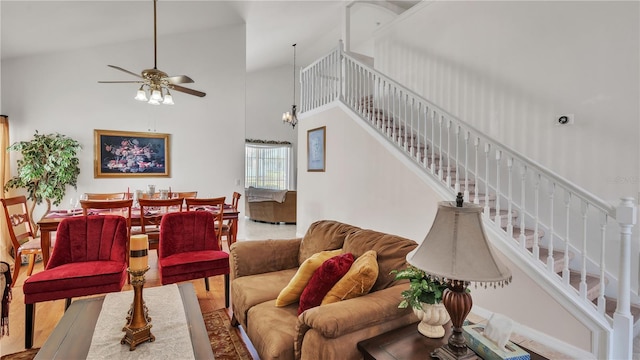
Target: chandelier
{"x": 291, "y": 117}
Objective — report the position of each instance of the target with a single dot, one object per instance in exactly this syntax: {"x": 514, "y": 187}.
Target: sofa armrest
{"x": 262, "y": 256}
{"x": 336, "y": 319}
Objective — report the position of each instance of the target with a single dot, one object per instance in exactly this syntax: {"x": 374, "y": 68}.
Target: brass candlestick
{"x": 138, "y": 329}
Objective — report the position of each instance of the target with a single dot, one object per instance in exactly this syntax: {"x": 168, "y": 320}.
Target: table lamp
{"x": 457, "y": 252}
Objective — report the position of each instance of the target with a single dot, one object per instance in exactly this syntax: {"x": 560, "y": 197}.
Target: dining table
{"x": 50, "y": 221}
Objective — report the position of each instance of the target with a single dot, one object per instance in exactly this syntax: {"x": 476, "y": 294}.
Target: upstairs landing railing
{"x": 560, "y": 228}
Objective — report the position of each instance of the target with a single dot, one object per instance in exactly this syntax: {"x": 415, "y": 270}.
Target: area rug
{"x": 225, "y": 341}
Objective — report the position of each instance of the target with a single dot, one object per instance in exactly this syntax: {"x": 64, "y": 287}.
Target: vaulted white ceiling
{"x": 32, "y": 27}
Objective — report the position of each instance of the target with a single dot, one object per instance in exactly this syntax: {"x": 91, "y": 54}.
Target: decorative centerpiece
{"x": 425, "y": 298}
{"x": 138, "y": 328}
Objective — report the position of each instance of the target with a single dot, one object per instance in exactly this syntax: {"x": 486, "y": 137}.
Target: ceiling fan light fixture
{"x": 168, "y": 99}
{"x": 153, "y": 102}
{"x": 141, "y": 95}
{"x": 156, "y": 95}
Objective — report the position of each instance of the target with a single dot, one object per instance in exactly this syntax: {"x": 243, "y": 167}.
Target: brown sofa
{"x": 273, "y": 211}
{"x": 260, "y": 269}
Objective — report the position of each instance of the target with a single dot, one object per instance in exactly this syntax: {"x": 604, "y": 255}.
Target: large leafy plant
{"x": 423, "y": 288}
{"x": 49, "y": 164}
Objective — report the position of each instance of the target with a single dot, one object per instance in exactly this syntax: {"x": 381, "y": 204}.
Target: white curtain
{"x": 5, "y": 244}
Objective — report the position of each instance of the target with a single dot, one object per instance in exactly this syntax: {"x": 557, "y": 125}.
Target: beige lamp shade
{"x": 456, "y": 247}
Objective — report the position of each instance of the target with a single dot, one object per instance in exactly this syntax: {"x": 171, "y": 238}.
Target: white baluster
{"x": 476, "y": 197}
{"x": 418, "y": 146}
{"x": 536, "y": 215}
{"x": 498, "y": 217}
{"x": 448, "y": 181}
{"x": 550, "y": 259}
{"x": 603, "y": 240}
{"x": 487, "y": 149}
{"x": 510, "y": 197}
{"x": 523, "y": 207}
{"x": 441, "y": 163}
{"x": 466, "y": 165}
{"x": 457, "y": 168}
{"x": 583, "y": 271}
{"x": 433, "y": 142}
{"x": 565, "y": 270}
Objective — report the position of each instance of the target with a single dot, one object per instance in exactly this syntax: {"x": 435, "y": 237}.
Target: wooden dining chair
{"x": 212, "y": 205}
{"x": 21, "y": 233}
{"x": 227, "y": 228}
{"x": 120, "y": 207}
{"x": 107, "y": 196}
{"x": 184, "y": 194}
{"x": 151, "y": 211}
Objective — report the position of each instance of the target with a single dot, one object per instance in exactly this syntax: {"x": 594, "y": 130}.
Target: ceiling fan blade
{"x": 186, "y": 90}
{"x": 127, "y": 71}
{"x": 179, "y": 79}
{"x": 122, "y": 82}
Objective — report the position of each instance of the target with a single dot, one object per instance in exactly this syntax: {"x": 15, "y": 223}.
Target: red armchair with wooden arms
{"x": 89, "y": 258}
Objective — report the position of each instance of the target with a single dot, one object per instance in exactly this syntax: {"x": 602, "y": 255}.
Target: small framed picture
{"x": 130, "y": 154}
{"x": 316, "y": 149}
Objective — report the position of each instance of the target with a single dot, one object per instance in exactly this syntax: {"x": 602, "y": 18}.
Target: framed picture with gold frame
{"x": 316, "y": 148}
{"x": 130, "y": 154}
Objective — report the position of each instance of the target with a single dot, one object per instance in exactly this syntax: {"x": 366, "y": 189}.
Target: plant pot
{"x": 432, "y": 317}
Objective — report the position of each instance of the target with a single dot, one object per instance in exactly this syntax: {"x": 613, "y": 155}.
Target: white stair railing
{"x": 560, "y": 227}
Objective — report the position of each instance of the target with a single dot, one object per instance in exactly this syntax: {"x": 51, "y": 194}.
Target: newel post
{"x": 622, "y": 345}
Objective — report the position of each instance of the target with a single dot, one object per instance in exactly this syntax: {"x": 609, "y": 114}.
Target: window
{"x": 268, "y": 165}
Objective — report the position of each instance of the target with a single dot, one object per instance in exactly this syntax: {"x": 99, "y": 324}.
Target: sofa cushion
{"x": 272, "y": 330}
{"x": 357, "y": 281}
{"x": 251, "y": 290}
{"x": 323, "y": 280}
{"x": 291, "y": 293}
{"x": 323, "y": 235}
{"x": 391, "y": 251}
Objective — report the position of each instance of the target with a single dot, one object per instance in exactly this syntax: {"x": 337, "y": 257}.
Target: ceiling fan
{"x": 157, "y": 82}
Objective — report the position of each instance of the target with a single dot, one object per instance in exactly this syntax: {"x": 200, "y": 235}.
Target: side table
{"x": 406, "y": 343}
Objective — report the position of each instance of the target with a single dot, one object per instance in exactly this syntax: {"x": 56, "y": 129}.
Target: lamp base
{"x": 445, "y": 353}
{"x": 133, "y": 337}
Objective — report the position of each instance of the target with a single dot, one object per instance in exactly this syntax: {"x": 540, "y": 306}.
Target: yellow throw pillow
{"x": 357, "y": 281}
{"x": 291, "y": 293}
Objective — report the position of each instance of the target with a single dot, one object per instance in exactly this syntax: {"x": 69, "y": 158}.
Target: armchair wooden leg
{"x": 29, "y": 323}
{"x": 226, "y": 291}
{"x": 67, "y": 303}
{"x": 206, "y": 283}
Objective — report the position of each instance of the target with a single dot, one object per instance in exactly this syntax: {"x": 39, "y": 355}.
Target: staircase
{"x": 558, "y": 229}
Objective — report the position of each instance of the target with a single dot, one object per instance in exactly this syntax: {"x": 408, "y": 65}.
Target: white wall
{"x": 59, "y": 92}
{"x": 509, "y": 67}
{"x": 366, "y": 185}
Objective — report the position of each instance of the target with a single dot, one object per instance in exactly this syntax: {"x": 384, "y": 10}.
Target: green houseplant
{"x": 424, "y": 295}
{"x": 423, "y": 288}
{"x": 49, "y": 164}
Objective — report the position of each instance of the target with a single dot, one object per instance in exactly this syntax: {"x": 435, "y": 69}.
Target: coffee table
{"x": 71, "y": 338}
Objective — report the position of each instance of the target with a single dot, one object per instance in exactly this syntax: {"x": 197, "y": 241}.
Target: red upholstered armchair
{"x": 89, "y": 258}
{"x": 189, "y": 250}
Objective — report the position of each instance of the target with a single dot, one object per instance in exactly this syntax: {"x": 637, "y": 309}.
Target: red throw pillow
{"x": 323, "y": 280}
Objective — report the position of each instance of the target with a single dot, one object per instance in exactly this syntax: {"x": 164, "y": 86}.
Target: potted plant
{"x": 49, "y": 164}
{"x": 424, "y": 295}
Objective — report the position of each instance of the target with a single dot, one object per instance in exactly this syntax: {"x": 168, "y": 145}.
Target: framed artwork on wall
{"x": 316, "y": 149}
{"x": 130, "y": 154}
